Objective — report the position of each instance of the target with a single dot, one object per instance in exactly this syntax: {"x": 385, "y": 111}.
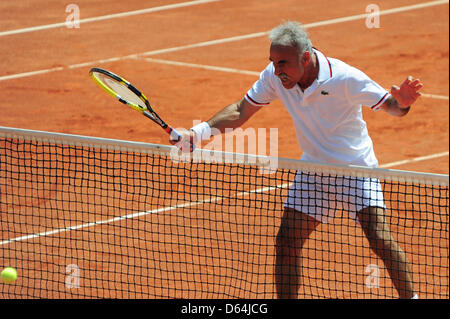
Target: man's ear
{"x": 306, "y": 58}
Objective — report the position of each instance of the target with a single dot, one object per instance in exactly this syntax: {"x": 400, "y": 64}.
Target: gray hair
{"x": 291, "y": 34}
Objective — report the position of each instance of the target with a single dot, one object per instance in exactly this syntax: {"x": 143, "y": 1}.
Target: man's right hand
{"x": 186, "y": 143}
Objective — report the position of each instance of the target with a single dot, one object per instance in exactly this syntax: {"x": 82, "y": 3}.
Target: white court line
{"x": 187, "y": 205}
{"x": 109, "y": 221}
{"x": 200, "y": 66}
{"x": 307, "y": 26}
{"x": 225, "y": 40}
{"x": 108, "y": 17}
{"x": 246, "y": 72}
{"x": 435, "y": 96}
{"x": 137, "y": 215}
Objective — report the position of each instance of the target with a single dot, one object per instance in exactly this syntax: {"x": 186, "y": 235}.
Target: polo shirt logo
{"x": 324, "y": 93}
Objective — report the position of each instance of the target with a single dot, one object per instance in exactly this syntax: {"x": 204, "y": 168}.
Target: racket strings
{"x": 121, "y": 89}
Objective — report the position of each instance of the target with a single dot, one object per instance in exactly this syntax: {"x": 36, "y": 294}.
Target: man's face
{"x": 288, "y": 66}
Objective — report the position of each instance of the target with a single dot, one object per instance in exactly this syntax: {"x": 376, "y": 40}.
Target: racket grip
{"x": 175, "y": 136}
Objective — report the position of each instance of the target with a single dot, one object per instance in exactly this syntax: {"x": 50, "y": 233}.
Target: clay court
{"x": 193, "y": 60}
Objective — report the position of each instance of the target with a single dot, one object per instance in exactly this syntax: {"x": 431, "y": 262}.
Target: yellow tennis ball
{"x": 9, "y": 275}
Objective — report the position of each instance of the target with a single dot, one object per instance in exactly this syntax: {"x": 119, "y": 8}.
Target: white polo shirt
{"x": 328, "y": 115}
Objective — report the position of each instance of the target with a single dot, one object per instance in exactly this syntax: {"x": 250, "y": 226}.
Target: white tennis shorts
{"x": 320, "y": 196}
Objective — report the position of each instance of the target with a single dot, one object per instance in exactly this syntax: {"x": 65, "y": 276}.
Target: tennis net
{"x": 85, "y": 217}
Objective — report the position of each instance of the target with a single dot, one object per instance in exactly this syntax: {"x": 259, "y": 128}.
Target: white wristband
{"x": 202, "y": 132}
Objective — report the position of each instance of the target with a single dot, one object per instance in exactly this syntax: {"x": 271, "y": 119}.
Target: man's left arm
{"x": 401, "y": 99}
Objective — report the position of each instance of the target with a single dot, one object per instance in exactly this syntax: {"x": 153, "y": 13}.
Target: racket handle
{"x": 174, "y": 135}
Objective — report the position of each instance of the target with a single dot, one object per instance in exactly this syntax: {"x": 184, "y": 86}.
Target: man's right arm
{"x": 233, "y": 116}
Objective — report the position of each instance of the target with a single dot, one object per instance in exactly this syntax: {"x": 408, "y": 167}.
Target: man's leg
{"x": 294, "y": 230}
{"x": 381, "y": 241}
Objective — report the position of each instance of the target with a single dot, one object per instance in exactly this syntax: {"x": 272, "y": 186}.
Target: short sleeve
{"x": 364, "y": 91}
{"x": 262, "y": 92}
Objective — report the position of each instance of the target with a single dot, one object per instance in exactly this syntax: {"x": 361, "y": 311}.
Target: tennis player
{"x": 324, "y": 96}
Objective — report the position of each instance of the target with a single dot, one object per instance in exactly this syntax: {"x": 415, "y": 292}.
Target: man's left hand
{"x": 408, "y": 92}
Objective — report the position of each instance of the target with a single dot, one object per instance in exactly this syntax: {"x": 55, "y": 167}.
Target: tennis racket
{"x": 128, "y": 94}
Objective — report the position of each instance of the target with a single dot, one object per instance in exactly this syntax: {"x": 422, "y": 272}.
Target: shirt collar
{"x": 325, "y": 70}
